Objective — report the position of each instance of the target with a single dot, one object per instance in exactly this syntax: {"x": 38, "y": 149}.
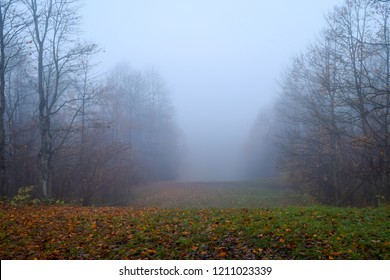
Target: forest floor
{"x": 200, "y": 222}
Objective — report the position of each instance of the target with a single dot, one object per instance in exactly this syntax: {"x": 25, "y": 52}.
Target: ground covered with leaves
{"x": 72, "y": 232}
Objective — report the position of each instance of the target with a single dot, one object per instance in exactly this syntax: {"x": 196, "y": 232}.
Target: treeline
{"x": 75, "y": 135}
{"x": 333, "y": 113}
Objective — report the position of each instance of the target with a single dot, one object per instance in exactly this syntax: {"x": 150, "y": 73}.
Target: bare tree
{"x": 94, "y": 142}
{"x": 142, "y": 117}
{"x": 361, "y": 28}
{"x": 55, "y": 23}
{"x": 11, "y": 46}
{"x": 336, "y": 96}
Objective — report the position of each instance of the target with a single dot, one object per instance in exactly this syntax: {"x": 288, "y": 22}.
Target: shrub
{"x": 24, "y": 196}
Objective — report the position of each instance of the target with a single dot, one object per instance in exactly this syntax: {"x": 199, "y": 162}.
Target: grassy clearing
{"x": 215, "y": 195}
{"x": 69, "y": 232}
{"x": 237, "y": 220}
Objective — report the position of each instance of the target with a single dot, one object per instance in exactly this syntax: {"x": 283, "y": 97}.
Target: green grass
{"x": 215, "y": 195}
{"x": 250, "y": 220}
{"x": 69, "y": 232}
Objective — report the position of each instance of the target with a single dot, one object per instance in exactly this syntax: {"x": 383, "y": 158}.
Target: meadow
{"x": 219, "y": 195}
{"x": 251, "y": 220}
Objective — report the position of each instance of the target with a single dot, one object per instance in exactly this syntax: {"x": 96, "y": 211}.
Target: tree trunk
{"x": 44, "y": 127}
{"x": 3, "y": 182}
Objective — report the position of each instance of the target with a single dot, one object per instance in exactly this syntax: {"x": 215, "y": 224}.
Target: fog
{"x": 221, "y": 61}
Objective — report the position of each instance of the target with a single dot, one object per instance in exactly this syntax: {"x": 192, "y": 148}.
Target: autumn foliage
{"x": 70, "y": 232}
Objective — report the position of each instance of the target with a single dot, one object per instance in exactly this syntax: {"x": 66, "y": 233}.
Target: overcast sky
{"x": 221, "y": 60}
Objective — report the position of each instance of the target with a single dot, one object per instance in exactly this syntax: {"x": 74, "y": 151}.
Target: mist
{"x": 221, "y": 61}
{"x": 150, "y": 130}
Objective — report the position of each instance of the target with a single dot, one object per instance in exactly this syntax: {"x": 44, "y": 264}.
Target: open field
{"x": 200, "y": 195}
{"x": 196, "y": 223}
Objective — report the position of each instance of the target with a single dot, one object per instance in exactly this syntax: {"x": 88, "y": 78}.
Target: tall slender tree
{"x": 11, "y": 46}
{"x": 55, "y": 24}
